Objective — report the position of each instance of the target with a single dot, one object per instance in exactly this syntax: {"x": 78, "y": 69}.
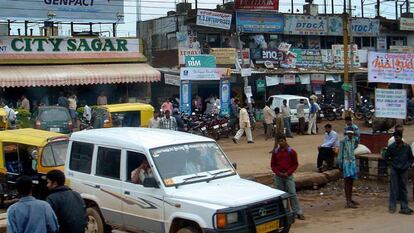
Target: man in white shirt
{"x": 300, "y": 108}
{"x": 245, "y": 126}
{"x": 286, "y": 118}
{"x": 326, "y": 150}
{"x": 269, "y": 117}
{"x": 155, "y": 121}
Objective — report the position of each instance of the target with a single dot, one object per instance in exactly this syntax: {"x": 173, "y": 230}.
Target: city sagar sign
{"x": 24, "y": 48}
{"x": 257, "y": 4}
{"x": 65, "y": 10}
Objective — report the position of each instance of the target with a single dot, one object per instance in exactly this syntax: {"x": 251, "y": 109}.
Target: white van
{"x": 292, "y": 100}
{"x": 193, "y": 188}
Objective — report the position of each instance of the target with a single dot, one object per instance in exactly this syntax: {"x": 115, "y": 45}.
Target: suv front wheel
{"x": 188, "y": 230}
{"x": 95, "y": 222}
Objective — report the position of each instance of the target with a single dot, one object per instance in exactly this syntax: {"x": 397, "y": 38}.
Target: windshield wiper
{"x": 190, "y": 178}
{"x": 218, "y": 173}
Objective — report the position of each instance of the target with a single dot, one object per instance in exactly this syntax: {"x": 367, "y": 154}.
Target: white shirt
{"x": 300, "y": 108}
{"x": 154, "y": 123}
{"x": 87, "y": 112}
{"x": 285, "y": 111}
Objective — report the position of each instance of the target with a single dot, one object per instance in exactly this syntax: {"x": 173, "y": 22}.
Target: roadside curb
{"x": 303, "y": 180}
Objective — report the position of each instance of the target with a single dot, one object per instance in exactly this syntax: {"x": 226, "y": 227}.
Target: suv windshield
{"x": 180, "y": 163}
{"x": 294, "y": 102}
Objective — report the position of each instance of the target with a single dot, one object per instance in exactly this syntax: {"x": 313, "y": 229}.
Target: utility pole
{"x": 292, "y": 7}
{"x": 333, "y": 7}
{"x": 362, "y": 8}
{"x": 379, "y": 8}
{"x": 345, "y": 23}
{"x": 324, "y": 6}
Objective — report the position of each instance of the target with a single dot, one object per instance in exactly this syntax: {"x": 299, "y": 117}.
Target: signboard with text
{"x": 64, "y": 10}
{"x": 365, "y": 27}
{"x": 45, "y": 50}
{"x": 306, "y": 25}
{"x": 259, "y": 22}
{"x": 339, "y": 59}
{"x": 213, "y": 19}
{"x": 224, "y": 56}
{"x": 200, "y": 61}
{"x": 391, "y": 103}
{"x": 225, "y": 97}
{"x": 183, "y": 52}
{"x": 308, "y": 58}
{"x": 391, "y": 68}
{"x": 406, "y": 24}
{"x": 257, "y": 5}
{"x": 260, "y": 56}
{"x": 185, "y": 96}
{"x": 191, "y": 73}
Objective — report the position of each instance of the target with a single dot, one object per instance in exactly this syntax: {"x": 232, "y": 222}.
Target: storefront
{"x": 42, "y": 67}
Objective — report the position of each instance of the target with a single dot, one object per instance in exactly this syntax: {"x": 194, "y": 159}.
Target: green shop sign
{"x": 18, "y": 45}
{"x": 260, "y": 85}
{"x": 205, "y": 61}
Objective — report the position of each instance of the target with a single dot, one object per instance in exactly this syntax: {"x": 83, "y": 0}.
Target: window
{"x": 81, "y": 157}
{"x": 54, "y": 154}
{"x": 134, "y": 160}
{"x": 108, "y": 163}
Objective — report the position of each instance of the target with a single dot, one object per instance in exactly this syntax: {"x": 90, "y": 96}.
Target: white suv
{"x": 193, "y": 187}
{"x": 292, "y": 100}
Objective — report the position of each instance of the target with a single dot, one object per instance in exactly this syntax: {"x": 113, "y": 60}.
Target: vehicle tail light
{"x": 70, "y": 125}
{"x": 37, "y": 125}
{"x": 221, "y": 220}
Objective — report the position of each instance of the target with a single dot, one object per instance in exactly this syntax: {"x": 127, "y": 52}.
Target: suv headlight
{"x": 286, "y": 204}
{"x": 225, "y": 219}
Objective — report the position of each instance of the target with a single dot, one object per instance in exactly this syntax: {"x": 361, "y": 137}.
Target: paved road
{"x": 254, "y": 158}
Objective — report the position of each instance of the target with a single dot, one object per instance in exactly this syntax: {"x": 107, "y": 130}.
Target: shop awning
{"x": 65, "y": 75}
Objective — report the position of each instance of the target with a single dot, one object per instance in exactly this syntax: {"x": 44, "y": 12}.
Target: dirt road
{"x": 255, "y": 158}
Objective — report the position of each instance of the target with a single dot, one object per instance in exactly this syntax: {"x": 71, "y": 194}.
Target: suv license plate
{"x": 56, "y": 130}
{"x": 268, "y": 227}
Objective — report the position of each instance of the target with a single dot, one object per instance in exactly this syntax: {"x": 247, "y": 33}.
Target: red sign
{"x": 257, "y": 4}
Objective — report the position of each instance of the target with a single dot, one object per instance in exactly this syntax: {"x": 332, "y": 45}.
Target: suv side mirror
{"x": 234, "y": 165}
{"x": 150, "y": 182}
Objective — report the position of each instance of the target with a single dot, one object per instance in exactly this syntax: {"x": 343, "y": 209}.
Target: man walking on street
{"x": 284, "y": 163}
{"x": 286, "y": 118}
{"x": 300, "y": 108}
{"x": 401, "y": 158}
{"x": 29, "y": 215}
{"x": 25, "y": 103}
{"x": 245, "y": 127}
{"x": 279, "y": 125}
{"x": 269, "y": 117}
{"x": 168, "y": 122}
{"x": 326, "y": 150}
{"x": 234, "y": 114}
{"x": 68, "y": 205}
{"x": 312, "y": 117}
{"x": 350, "y": 126}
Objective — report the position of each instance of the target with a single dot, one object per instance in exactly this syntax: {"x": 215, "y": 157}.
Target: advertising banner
{"x": 245, "y": 53}
{"x": 317, "y": 79}
{"x": 259, "y": 22}
{"x": 391, "y": 68}
{"x": 225, "y": 97}
{"x": 306, "y": 25}
{"x": 400, "y": 49}
{"x": 257, "y": 5}
{"x": 289, "y": 79}
{"x": 260, "y": 85}
{"x": 183, "y": 52}
{"x": 335, "y": 26}
{"x": 191, "y": 73}
{"x": 272, "y": 80}
{"x": 260, "y": 56}
{"x": 224, "y": 56}
{"x": 173, "y": 80}
{"x": 185, "y": 96}
{"x": 200, "y": 61}
{"x": 406, "y": 24}
{"x": 338, "y": 56}
{"x": 48, "y": 50}
{"x": 391, "y": 103}
{"x": 308, "y": 58}
{"x": 63, "y": 10}
{"x": 213, "y": 19}
{"x": 365, "y": 27}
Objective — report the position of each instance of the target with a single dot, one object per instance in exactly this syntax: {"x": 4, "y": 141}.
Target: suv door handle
{"x": 97, "y": 186}
{"x": 127, "y": 193}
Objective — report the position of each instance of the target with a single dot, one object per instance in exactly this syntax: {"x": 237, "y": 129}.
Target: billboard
{"x": 391, "y": 68}
{"x": 306, "y": 25}
{"x": 259, "y": 22}
{"x": 213, "y": 19}
{"x": 257, "y": 5}
{"x": 391, "y": 103}
{"x": 365, "y": 27}
{"x": 64, "y": 10}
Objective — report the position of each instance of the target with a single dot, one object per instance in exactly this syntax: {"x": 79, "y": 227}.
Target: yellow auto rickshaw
{"x": 29, "y": 152}
{"x": 122, "y": 115}
{"x": 3, "y": 119}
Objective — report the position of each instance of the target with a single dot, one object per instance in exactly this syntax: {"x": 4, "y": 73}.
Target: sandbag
{"x": 362, "y": 150}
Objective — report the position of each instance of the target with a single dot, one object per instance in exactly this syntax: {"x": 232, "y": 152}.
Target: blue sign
{"x": 365, "y": 27}
{"x": 225, "y": 97}
{"x": 259, "y": 22}
{"x": 185, "y": 96}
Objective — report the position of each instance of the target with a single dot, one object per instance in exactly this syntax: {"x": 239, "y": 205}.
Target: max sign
{"x": 257, "y": 4}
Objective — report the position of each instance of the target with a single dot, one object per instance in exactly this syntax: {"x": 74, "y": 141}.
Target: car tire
{"x": 95, "y": 222}
{"x": 188, "y": 230}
